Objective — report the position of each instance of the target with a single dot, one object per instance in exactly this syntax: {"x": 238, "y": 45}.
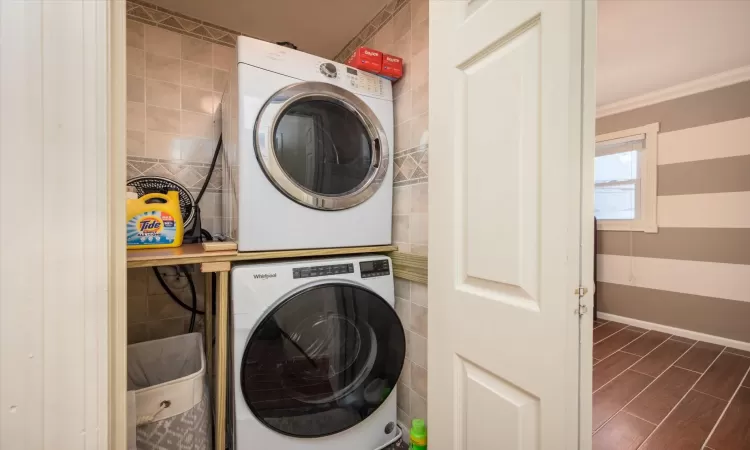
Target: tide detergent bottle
{"x": 155, "y": 221}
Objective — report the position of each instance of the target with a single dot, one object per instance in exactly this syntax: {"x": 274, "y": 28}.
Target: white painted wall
{"x": 54, "y": 224}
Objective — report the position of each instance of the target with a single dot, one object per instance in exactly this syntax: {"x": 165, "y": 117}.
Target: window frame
{"x": 647, "y": 169}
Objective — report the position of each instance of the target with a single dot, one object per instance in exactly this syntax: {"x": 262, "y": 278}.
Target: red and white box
{"x": 366, "y": 59}
{"x": 393, "y": 67}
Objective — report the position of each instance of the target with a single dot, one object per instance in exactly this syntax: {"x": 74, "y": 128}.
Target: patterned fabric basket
{"x": 168, "y": 403}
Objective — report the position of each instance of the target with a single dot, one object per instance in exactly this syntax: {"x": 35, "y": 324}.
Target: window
{"x": 625, "y": 179}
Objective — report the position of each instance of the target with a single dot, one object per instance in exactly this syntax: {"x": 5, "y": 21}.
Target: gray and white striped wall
{"x": 694, "y": 274}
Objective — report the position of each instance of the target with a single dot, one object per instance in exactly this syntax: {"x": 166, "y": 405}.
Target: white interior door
{"x": 510, "y": 106}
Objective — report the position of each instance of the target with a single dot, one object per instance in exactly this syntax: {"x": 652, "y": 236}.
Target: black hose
{"x": 210, "y": 170}
{"x": 172, "y": 294}
{"x": 204, "y": 234}
{"x": 195, "y": 298}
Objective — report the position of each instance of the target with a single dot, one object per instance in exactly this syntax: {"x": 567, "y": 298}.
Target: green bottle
{"x": 418, "y": 435}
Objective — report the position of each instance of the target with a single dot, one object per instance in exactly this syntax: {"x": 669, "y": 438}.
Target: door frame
{"x": 588, "y": 231}
{"x": 113, "y": 32}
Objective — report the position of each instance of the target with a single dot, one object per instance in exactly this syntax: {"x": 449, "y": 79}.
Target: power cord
{"x": 204, "y": 235}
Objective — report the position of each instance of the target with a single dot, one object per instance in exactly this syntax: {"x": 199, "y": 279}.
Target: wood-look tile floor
{"x": 654, "y": 391}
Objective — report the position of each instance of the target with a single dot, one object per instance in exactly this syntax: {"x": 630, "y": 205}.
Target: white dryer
{"x": 318, "y": 350}
{"x": 312, "y": 165}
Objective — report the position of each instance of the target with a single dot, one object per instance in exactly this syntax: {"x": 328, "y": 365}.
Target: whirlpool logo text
{"x": 264, "y": 276}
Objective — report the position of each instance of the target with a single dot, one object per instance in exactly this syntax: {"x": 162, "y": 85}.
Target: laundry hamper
{"x": 168, "y": 400}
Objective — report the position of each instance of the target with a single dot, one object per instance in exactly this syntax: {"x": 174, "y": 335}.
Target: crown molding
{"x": 715, "y": 81}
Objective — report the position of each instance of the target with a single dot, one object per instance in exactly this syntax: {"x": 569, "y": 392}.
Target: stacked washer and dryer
{"x": 318, "y": 347}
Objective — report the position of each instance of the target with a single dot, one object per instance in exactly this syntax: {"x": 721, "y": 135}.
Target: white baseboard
{"x": 677, "y": 331}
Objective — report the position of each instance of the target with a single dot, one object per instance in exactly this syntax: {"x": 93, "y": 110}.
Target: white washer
{"x": 312, "y": 165}
{"x": 318, "y": 350}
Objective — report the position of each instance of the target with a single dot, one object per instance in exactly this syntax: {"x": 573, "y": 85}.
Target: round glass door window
{"x": 321, "y": 146}
{"x": 323, "y": 360}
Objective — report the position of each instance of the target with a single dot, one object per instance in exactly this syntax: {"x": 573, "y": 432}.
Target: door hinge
{"x": 582, "y": 309}
{"x": 581, "y": 291}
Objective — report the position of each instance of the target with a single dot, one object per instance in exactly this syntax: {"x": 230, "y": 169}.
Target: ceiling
{"x": 645, "y": 46}
{"x": 320, "y": 27}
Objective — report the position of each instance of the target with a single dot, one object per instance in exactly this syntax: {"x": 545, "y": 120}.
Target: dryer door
{"x": 321, "y": 146}
{"x": 323, "y": 360}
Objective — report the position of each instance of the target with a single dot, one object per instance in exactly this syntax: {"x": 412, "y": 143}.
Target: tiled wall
{"x": 401, "y": 29}
{"x": 177, "y": 67}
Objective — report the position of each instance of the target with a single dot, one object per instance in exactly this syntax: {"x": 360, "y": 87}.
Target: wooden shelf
{"x": 195, "y": 254}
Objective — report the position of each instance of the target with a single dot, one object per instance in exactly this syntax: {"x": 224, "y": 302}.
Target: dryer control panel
{"x": 370, "y": 269}
{"x": 321, "y": 271}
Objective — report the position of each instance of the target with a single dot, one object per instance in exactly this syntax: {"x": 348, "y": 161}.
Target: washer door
{"x": 321, "y": 146}
{"x": 323, "y": 360}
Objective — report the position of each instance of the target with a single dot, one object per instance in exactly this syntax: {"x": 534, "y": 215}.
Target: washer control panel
{"x": 321, "y": 271}
{"x": 370, "y": 269}
{"x": 365, "y": 82}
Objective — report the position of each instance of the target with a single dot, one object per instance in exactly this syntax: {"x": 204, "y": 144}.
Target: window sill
{"x": 626, "y": 225}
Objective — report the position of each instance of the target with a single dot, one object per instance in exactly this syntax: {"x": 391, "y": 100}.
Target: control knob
{"x": 328, "y": 69}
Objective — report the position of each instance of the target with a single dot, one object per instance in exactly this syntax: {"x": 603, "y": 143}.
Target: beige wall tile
{"x": 407, "y": 335}
{"x": 135, "y": 34}
{"x": 196, "y": 124}
{"x": 197, "y": 149}
{"x": 197, "y": 51}
{"x": 402, "y": 289}
{"x": 402, "y": 397}
{"x": 167, "y": 328}
{"x": 419, "y": 194}
{"x": 405, "y": 376}
{"x": 419, "y": 294}
{"x": 418, "y": 406}
{"x": 418, "y": 130}
{"x": 135, "y": 89}
{"x": 197, "y": 100}
{"x": 401, "y": 22}
{"x": 137, "y": 333}
{"x": 402, "y": 46}
{"x": 418, "y": 67}
{"x": 162, "y": 119}
{"x": 217, "y": 105}
{"x": 224, "y": 57}
{"x": 404, "y": 83}
{"x": 403, "y": 310}
{"x": 136, "y": 146}
{"x": 419, "y": 249}
{"x": 419, "y": 10}
{"x": 402, "y": 108}
{"x": 137, "y": 309}
{"x": 402, "y": 135}
{"x": 136, "y": 119}
{"x": 220, "y": 80}
{"x": 419, "y": 37}
{"x": 418, "y": 319}
{"x": 163, "y": 94}
{"x": 402, "y": 200}
{"x": 162, "y": 146}
{"x": 197, "y": 75}
{"x": 403, "y": 247}
{"x": 401, "y": 228}
{"x": 420, "y": 98}
{"x": 403, "y": 418}
{"x": 418, "y": 349}
{"x": 163, "y": 307}
{"x": 419, "y": 380}
{"x": 135, "y": 61}
{"x": 418, "y": 229}
{"x": 211, "y": 204}
{"x": 385, "y": 38}
{"x": 163, "y": 68}
{"x": 162, "y": 42}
